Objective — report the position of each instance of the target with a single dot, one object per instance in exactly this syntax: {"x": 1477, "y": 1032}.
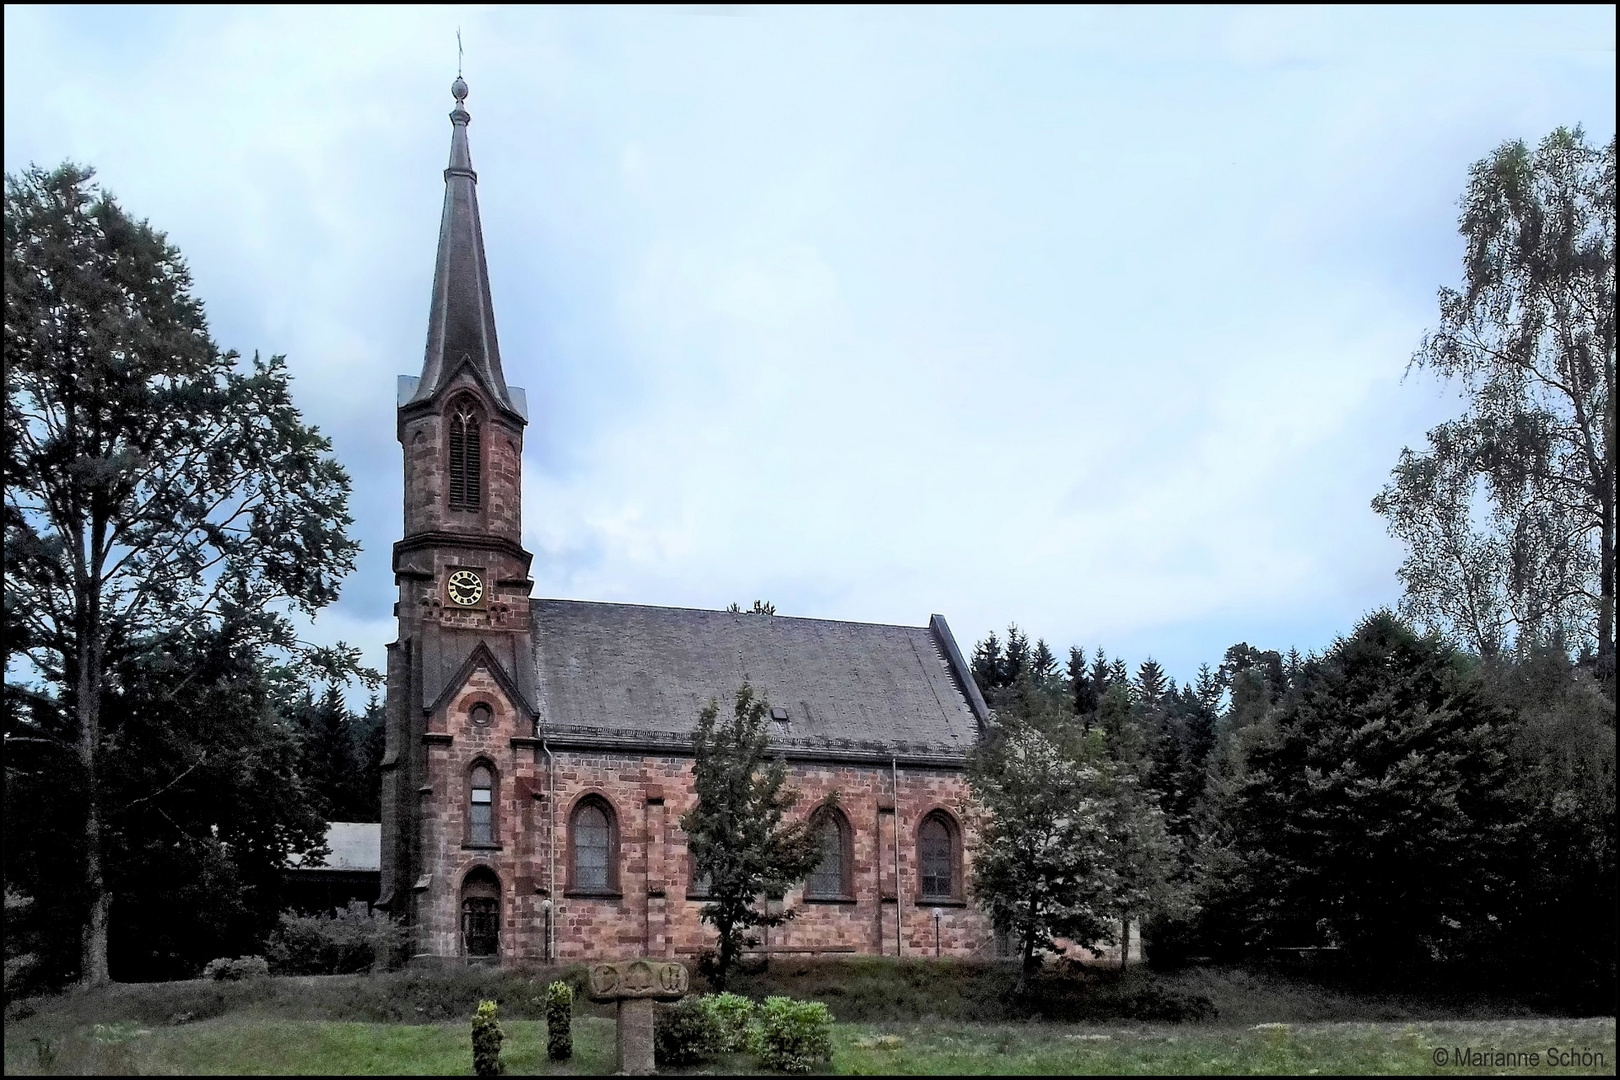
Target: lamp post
{"x": 937, "y": 914}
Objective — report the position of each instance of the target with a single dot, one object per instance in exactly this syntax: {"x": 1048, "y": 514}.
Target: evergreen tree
{"x": 1372, "y": 811}
{"x": 1101, "y": 675}
{"x": 1015, "y": 661}
{"x": 1150, "y": 682}
{"x": 328, "y": 762}
{"x": 1082, "y": 692}
{"x": 1043, "y": 666}
{"x": 988, "y": 664}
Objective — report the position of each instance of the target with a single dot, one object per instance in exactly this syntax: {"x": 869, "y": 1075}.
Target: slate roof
{"x": 629, "y": 675}
{"x": 461, "y": 320}
{"x": 356, "y": 845}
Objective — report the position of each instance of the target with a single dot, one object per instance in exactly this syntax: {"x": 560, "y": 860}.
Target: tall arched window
{"x": 466, "y": 457}
{"x": 481, "y": 807}
{"x": 830, "y": 880}
{"x": 481, "y": 913}
{"x": 592, "y": 847}
{"x": 936, "y": 857}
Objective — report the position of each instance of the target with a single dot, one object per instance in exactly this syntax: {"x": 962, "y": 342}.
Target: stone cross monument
{"x": 635, "y": 985}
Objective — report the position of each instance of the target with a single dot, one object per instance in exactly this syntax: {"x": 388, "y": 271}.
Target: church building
{"x": 539, "y": 753}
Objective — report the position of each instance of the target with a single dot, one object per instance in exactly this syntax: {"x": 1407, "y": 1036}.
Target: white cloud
{"x": 1091, "y": 318}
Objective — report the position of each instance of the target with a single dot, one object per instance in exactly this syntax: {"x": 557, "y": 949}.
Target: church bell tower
{"x": 461, "y": 672}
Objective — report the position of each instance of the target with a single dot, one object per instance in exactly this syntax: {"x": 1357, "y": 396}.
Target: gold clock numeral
{"x": 465, "y": 588}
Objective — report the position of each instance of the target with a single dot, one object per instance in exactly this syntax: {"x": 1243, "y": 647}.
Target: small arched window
{"x": 936, "y": 857}
{"x": 592, "y": 846}
{"x": 466, "y": 457}
{"x": 481, "y": 807}
{"x": 830, "y": 880}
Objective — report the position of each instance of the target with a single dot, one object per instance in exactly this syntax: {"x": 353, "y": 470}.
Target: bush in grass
{"x": 731, "y": 1014}
{"x": 347, "y": 942}
{"x": 793, "y": 1036}
{"x": 559, "y": 1021}
{"x": 486, "y": 1041}
{"x": 685, "y": 1033}
{"x": 243, "y": 967}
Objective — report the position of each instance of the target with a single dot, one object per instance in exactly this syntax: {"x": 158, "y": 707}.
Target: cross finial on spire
{"x": 458, "y": 89}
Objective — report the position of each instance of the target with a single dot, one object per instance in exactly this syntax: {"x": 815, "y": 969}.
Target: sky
{"x": 1096, "y": 320}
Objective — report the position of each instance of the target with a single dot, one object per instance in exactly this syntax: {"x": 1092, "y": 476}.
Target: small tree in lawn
{"x": 738, "y": 840}
{"x": 1041, "y": 867}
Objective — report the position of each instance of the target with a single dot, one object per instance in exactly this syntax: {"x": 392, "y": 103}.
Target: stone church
{"x": 539, "y": 751}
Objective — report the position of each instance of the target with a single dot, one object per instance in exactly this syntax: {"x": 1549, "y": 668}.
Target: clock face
{"x": 465, "y": 588}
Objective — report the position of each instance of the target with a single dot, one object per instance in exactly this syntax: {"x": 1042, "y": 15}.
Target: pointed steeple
{"x": 461, "y": 323}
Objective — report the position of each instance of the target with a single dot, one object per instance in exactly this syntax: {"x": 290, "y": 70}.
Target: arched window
{"x": 481, "y": 806}
{"x": 592, "y": 845}
{"x": 936, "y": 857}
{"x": 830, "y": 880}
{"x": 481, "y": 913}
{"x": 466, "y": 457}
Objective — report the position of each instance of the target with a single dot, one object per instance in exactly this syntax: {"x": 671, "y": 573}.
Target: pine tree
{"x": 1100, "y": 675}
{"x": 1082, "y": 693}
{"x": 1150, "y": 682}
{"x": 1042, "y": 664}
{"x": 1015, "y": 661}
{"x": 988, "y": 664}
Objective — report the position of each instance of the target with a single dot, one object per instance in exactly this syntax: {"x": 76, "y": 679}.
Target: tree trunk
{"x": 1124, "y": 943}
{"x": 1605, "y": 642}
{"x": 1026, "y": 969}
{"x": 93, "y": 956}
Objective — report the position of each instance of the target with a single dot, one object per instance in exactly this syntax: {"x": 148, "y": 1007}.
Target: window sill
{"x": 939, "y": 901}
{"x": 594, "y": 894}
{"x": 829, "y": 900}
{"x": 480, "y": 847}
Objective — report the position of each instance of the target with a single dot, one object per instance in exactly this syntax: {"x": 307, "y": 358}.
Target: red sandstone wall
{"x": 426, "y": 465}
{"x": 651, "y": 915}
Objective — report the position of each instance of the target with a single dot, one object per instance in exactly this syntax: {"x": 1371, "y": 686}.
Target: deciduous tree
{"x": 1508, "y": 513}
{"x": 737, "y": 833}
{"x": 153, "y": 483}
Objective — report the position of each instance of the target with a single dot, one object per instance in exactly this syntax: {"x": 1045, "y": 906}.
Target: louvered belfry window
{"x": 466, "y": 459}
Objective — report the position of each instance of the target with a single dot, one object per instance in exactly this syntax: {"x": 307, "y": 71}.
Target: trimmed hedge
{"x": 486, "y": 1040}
{"x": 559, "y": 1021}
{"x": 793, "y": 1036}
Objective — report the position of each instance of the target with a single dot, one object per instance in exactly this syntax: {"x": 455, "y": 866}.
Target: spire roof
{"x": 461, "y": 322}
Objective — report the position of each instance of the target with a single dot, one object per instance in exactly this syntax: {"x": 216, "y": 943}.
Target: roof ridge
{"x": 719, "y": 611}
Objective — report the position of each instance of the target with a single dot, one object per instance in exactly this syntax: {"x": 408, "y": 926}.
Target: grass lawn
{"x": 248, "y": 1044}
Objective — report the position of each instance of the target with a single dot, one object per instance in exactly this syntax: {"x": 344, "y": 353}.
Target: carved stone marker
{"x": 635, "y": 985}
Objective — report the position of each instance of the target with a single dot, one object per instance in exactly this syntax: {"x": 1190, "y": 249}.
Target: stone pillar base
{"x": 635, "y": 1038}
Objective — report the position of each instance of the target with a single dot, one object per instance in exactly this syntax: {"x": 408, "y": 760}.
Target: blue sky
{"x": 1093, "y": 319}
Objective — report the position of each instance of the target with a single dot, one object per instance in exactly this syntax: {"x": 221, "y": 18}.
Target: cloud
{"x": 1094, "y": 318}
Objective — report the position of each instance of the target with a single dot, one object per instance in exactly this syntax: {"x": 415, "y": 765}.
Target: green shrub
{"x": 685, "y": 1033}
{"x": 793, "y": 1036}
{"x": 731, "y": 1014}
{"x": 486, "y": 1041}
{"x": 348, "y": 942}
{"x": 243, "y": 967}
{"x": 559, "y": 1021}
